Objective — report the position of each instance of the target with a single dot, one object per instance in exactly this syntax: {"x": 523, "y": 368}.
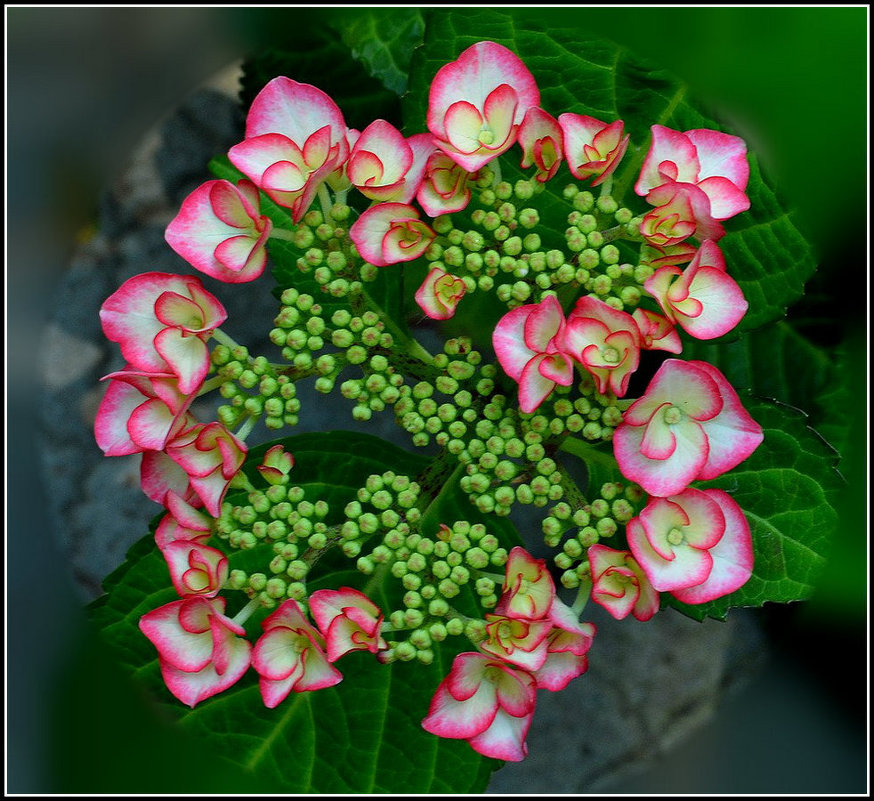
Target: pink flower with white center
{"x": 182, "y": 522}
{"x": 517, "y": 641}
{"x": 383, "y": 165}
{"x": 530, "y": 344}
{"x": 211, "y": 456}
{"x": 477, "y": 103}
{"x": 439, "y": 294}
{"x": 593, "y": 149}
{"x": 161, "y": 322}
{"x": 349, "y": 620}
{"x": 487, "y": 703}
{"x": 290, "y": 656}
{"x": 541, "y": 140}
{"x": 605, "y": 341}
{"x": 566, "y": 647}
{"x": 295, "y": 139}
{"x": 201, "y": 652}
{"x": 444, "y": 188}
{"x": 657, "y": 332}
{"x": 195, "y": 569}
{"x": 276, "y": 465}
{"x": 528, "y": 591}
{"x": 714, "y": 163}
{"x": 620, "y": 584}
{"x": 389, "y": 233}
{"x": 695, "y": 545}
{"x": 140, "y": 412}
{"x": 689, "y": 425}
{"x": 703, "y": 298}
{"x": 220, "y": 231}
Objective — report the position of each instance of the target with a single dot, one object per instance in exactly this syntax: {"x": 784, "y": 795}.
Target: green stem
{"x": 587, "y": 452}
{"x": 282, "y": 233}
{"x": 325, "y": 201}
{"x": 246, "y": 612}
{"x": 244, "y": 430}
{"x": 213, "y": 383}
{"x": 223, "y": 339}
{"x": 582, "y": 598}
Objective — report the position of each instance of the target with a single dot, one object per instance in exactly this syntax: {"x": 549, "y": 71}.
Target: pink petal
{"x": 187, "y": 356}
{"x": 505, "y": 738}
{"x": 720, "y": 154}
{"x": 732, "y": 556}
{"x": 508, "y": 340}
{"x": 296, "y": 110}
{"x": 534, "y": 387}
{"x": 662, "y": 477}
{"x": 461, "y": 719}
{"x": 725, "y": 198}
{"x": 733, "y": 434}
{"x": 674, "y": 148}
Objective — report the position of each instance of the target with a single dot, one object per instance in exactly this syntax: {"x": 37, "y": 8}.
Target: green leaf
{"x": 383, "y": 39}
{"x": 577, "y": 72}
{"x": 787, "y": 491}
{"x": 362, "y": 736}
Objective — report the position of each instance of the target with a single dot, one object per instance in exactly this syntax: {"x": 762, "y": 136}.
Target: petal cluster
{"x": 389, "y": 233}
{"x": 477, "y": 102}
{"x": 486, "y": 702}
{"x": 201, "y": 652}
{"x": 593, "y": 149}
{"x": 694, "y": 177}
{"x": 161, "y": 323}
{"x": 296, "y": 138}
{"x": 220, "y": 231}
{"x": 290, "y": 656}
{"x": 620, "y": 585}
{"x": 703, "y": 298}
{"x": 605, "y": 341}
{"x": 439, "y": 294}
{"x": 349, "y": 620}
{"x": 696, "y": 544}
{"x": 689, "y": 425}
{"x": 530, "y": 344}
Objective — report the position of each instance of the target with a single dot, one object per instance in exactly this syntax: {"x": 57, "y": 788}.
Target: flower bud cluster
{"x": 588, "y": 524}
{"x": 296, "y": 528}
{"x": 433, "y": 572}
{"x": 253, "y": 388}
{"x": 327, "y": 252}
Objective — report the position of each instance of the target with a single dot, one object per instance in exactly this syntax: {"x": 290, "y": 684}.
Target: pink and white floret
{"x": 477, "y": 103}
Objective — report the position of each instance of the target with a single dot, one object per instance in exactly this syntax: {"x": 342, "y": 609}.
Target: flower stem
{"x": 223, "y": 339}
{"x": 213, "y": 383}
{"x": 582, "y": 598}
{"x": 325, "y": 201}
{"x": 282, "y": 233}
{"x": 246, "y": 612}
{"x": 244, "y": 430}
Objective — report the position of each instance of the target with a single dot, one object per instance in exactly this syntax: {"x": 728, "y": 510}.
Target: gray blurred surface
{"x": 84, "y": 86}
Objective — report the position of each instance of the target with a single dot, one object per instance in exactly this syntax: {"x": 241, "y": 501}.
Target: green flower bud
{"x": 606, "y": 527}
{"x": 588, "y": 536}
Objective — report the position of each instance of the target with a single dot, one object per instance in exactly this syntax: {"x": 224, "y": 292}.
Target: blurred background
{"x": 85, "y": 84}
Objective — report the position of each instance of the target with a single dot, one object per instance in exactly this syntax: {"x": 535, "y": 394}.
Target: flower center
{"x": 610, "y": 355}
{"x": 486, "y": 137}
{"x": 675, "y": 536}
{"x": 672, "y": 415}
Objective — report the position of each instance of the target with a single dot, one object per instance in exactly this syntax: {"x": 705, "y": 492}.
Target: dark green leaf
{"x": 787, "y": 490}
{"x": 383, "y": 39}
